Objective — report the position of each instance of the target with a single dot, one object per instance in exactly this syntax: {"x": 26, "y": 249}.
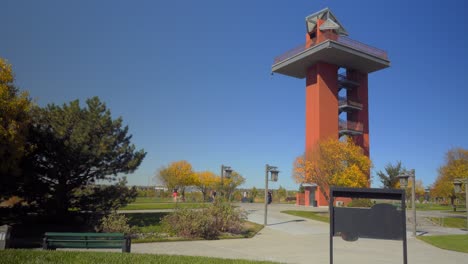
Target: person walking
{"x": 213, "y": 194}
{"x": 174, "y": 195}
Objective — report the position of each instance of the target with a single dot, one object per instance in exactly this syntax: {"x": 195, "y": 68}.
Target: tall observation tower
{"x": 336, "y": 70}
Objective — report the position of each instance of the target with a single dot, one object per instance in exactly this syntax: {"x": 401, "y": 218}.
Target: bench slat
{"x": 83, "y": 245}
{"x": 92, "y": 240}
{"x": 51, "y": 234}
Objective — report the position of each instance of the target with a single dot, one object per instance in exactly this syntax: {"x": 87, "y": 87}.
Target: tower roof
{"x": 331, "y": 22}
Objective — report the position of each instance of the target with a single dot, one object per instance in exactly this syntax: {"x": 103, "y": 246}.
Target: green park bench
{"x": 53, "y": 240}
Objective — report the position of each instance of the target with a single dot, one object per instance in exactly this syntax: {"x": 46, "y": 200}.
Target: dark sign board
{"x": 381, "y": 221}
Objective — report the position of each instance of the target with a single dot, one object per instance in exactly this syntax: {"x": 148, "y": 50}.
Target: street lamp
{"x": 457, "y": 184}
{"x": 427, "y": 193}
{"x": 274, "y": 177}
{"x": 224, "y": 170}
{"x": 403, "y": 177}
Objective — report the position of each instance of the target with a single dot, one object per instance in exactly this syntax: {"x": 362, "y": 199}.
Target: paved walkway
{"x": 290, "y": 239}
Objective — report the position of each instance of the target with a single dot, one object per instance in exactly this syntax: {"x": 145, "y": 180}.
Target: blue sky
{"x": 192, "y": 78}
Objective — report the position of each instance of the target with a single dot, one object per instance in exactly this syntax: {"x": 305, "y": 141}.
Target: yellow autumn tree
{"x": 14, "y": 120}
{"x": 178, "y": 175}
{"x": 333, "y": 163}
{"x": 456, "y": 166}
{"x": 206, "y": 181}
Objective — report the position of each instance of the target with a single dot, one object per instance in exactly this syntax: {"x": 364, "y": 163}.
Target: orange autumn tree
{"x": 456, "y": 166}
{"x": 333, "y": 163}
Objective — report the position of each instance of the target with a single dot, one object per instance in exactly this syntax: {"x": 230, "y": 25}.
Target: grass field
{"x": 310, "y": 215}
{"x": 155, "y": 203}
{"x": 450, "y": 242}
{"x": 158, "y": 206}
{"x": 449, "y": 222}
{"x": 69, "y": 257}
{"x": 432, "y": 207}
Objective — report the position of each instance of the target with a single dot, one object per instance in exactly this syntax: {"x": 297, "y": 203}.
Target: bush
{"x": 114, "y": 223}
{"x": 227, "y": 218}
{"x": 207, "y": 223}
{"x": 360, "y": 203}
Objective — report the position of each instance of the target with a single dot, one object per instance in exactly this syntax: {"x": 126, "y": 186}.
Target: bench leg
{"x": 44, "y": 244}
{"x": 126, "y": 247}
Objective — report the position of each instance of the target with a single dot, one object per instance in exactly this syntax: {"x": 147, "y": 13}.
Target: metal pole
{"x": 466, "y": 204}
{"x": 266, "y": 194}
{"x": 403, "y": 220}
{"x": 413, "y": 197}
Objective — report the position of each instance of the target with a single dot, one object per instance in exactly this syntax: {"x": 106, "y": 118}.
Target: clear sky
{"x": 192, "y": 78}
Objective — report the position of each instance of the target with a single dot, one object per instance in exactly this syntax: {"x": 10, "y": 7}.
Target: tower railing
{"x": 363, "y": 47}
{"x": 343, "y": 100}
{"x": 350, "y": 125}
{"x": 341, "y": 39}
{"x": 294, "y": 51}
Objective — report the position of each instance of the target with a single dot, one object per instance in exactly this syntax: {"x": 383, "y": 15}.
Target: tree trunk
{"x": 62, "y": 200}
{"x": 452, "y": 202}
{"x": 204, "y": 195}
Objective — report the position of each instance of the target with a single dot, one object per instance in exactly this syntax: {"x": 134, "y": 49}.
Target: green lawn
{"x": 450, "y": 222}
{"x": 311, "y": 215}
{"x": 450, "y": 242}
{"x": 69, "y": 257}
{"x": 432, "y": 207}
{"x": 153, "y": 200}
{"x": 156, "y": 206}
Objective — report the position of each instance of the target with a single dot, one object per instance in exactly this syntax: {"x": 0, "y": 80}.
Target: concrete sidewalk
{"x": 290, "y": 239}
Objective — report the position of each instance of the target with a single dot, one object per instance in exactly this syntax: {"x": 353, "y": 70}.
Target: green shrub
{"x": 227, "y": 218}
{"x": 360, "y": 203}
{"x": 207, "y": 223}
{"x": 114, "y": 223}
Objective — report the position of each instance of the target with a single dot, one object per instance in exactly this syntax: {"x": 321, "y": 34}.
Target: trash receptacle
{"x": 314, "y": 203}
{"x": 4, "y": 236}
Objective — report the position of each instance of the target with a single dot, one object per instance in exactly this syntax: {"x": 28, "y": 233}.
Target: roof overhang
{"x": 331, "y": 52}
{"x": 331, "y": 22}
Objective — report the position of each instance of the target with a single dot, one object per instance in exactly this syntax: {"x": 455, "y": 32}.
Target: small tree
{"x": 333, "y": 163}
{"x": 389, "y": 179}
{"x": 178, "y": 175}
{"x": 281, "y": 193}
{"x": 74, "y": 148}
{"x": 254, "y": 193}
{"x": 206, "y": 181}
{"x": 232, "y": 183}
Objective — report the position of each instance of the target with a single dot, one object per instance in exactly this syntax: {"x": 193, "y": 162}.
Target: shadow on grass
{"x": 28, "y": 228}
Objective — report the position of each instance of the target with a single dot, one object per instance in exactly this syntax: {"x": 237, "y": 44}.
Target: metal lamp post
{"x": 457, "y": 184}
{"x": 274, "y": 177}
{"x": 427, "y": 193}
{"x": 403, "y": 177}
{"x": 227, "y": 170}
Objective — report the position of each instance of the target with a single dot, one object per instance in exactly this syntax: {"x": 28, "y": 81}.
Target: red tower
{"x": 335, "y": 68}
